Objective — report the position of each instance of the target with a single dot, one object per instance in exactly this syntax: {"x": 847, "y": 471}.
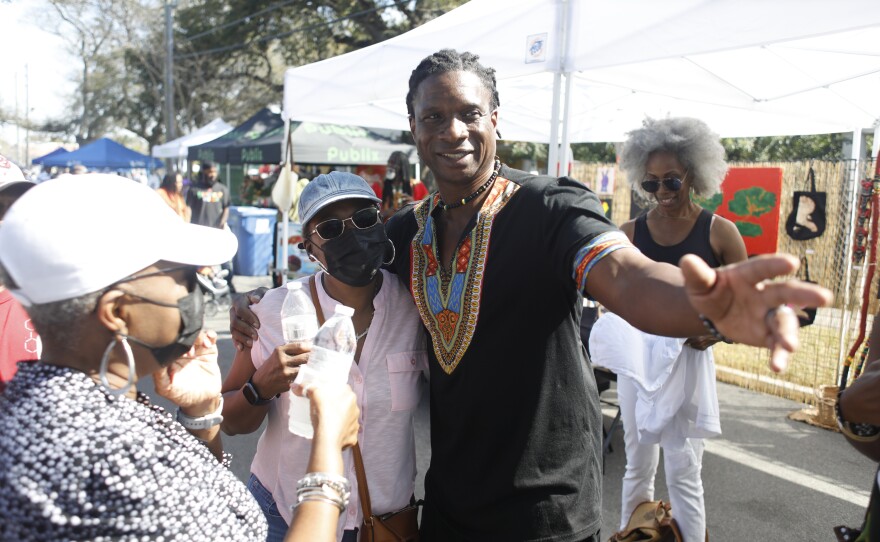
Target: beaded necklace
{"x": 447, "y": 206}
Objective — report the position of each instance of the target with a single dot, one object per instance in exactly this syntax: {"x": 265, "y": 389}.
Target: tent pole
{"x": 853, "y": 179}
{"x": 553, "y": 153}
{"x": 284, "y": 156}
{"x": 563, "y": 9}
{"x": 281, "y": 261}
{"x": 563, "y": 170}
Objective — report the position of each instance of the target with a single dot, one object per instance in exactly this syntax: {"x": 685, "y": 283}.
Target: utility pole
{"x": 27, "y": 122}
{"x": 169, "y": 70}
{"x": 17, "y": 123}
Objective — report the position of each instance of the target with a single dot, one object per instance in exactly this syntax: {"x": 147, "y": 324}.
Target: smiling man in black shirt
{"x": 498, "y": 262}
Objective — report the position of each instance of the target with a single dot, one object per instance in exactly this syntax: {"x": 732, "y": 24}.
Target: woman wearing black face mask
{"x": 344, "y": 233}
{"x": 113, "y": 296}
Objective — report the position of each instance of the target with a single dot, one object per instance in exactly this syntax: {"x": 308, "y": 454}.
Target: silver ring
{"x": 785, "y": 309}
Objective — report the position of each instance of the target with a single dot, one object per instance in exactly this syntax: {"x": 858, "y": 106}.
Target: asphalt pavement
{"x": 766, "y": 478}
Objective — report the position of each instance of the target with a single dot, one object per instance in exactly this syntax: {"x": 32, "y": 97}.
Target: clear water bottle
{"x": 329, "y": 362}
{"x": 299, "y": 323}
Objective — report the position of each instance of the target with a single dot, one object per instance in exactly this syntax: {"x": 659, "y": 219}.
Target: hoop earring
{"x": 393, "y": 253}
{"x": 105, "y": 362}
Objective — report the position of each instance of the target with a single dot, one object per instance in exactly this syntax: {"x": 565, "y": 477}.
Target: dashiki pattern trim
{"x": 449, "y": 300}
{"x": 590, "y": 254}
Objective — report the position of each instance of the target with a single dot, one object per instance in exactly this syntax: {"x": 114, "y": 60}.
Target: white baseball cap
{"x": 75, "y": 235}
{"x": 10, "y": 174}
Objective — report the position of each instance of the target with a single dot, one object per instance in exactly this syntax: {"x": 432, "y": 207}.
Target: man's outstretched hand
{"x": 740, "y": 300}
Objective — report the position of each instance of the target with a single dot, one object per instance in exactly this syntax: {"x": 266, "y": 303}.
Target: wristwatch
{"x": 202, "y": 422}
{"x": 253, "y": 396}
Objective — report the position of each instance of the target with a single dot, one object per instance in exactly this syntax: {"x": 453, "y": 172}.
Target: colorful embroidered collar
{"x": 448, "y": 299}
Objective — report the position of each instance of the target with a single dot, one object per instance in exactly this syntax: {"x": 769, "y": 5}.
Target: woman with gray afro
{"x": 665, "y": 161}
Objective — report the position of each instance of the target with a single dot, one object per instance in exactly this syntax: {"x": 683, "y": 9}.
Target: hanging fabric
{"x": 807, "y": 218}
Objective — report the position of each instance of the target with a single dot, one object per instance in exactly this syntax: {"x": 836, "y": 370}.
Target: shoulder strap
{"x": 363, "y": 490}
{"x": 315, "y": 300}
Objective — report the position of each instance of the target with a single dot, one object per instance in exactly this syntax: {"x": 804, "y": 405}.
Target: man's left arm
{"x": 738, "y": 299}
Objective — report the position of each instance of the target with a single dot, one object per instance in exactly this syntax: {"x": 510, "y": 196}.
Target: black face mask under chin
{"x": 355, "y": 257}
{"x": 192, "y": 312}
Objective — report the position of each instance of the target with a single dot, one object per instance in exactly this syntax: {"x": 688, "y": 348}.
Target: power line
{"x": 291, "y": 32}
{"x": 241, "y": 20}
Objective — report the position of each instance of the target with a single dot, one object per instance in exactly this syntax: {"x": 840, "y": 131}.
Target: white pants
{"x": 682, "y": 459}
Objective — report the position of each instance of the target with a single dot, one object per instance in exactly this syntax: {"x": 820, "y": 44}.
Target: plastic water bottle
{"x": 329, "y": 362}
{"x": 299, "y": 323}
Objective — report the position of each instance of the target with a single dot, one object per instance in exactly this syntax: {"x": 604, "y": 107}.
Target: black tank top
{"x": 697, "y": 242}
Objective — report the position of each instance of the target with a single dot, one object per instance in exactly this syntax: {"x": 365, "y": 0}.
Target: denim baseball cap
{"x": 329, "y": 188}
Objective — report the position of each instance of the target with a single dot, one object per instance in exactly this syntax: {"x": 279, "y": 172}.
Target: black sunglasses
{"x": 653, "y": 185}
{"x": 333, "y": 228}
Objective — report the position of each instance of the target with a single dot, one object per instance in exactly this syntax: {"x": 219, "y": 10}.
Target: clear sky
{"x": 26, "y": 39}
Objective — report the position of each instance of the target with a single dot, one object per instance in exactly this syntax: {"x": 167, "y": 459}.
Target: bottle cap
{"x": 342, "y": 309}
{"x": 294, "y": 285}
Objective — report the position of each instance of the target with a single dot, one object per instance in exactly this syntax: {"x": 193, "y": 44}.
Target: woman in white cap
{"x": 113, "y": 294}
{"x": 344, "y": 233}
{"x": 20, "y": 340}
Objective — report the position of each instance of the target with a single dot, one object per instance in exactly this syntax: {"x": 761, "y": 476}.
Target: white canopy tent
{"x": 591, "y": 70}
{"x": 177, "y": 148}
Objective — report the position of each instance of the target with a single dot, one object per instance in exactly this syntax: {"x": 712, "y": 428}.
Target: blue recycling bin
{"x": 254, "y": 228}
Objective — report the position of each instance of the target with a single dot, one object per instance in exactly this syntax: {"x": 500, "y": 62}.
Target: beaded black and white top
{"x": 79, "y": 464}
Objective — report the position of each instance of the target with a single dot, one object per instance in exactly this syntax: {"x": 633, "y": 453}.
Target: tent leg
{"x": 553, "y": 151}
{"x": 563, "y": 170}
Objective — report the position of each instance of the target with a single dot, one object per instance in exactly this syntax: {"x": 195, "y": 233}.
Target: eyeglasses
{"x": 333, "y": 228}
{"x": 653, "y": 185}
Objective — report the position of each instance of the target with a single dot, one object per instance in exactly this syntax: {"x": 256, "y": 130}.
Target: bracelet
{"x": 318, "y": 479}
{"x": 860, "y": 432}
{"x": 710, "y": 326}
{"x": 324, "y": 487}
{"x": 318, "y": 498}
{"x": 202, "y": 422}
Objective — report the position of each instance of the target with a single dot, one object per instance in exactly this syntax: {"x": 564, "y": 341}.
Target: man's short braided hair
{"x": 450, "y": 60}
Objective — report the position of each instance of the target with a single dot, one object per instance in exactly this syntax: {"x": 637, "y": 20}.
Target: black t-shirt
{"x": 208, "y": 203}
{"x": 515, "y": 419}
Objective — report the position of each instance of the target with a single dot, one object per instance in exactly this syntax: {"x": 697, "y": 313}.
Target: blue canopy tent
{"x": 104, "y": 154}
{"x": 57, "y": 152}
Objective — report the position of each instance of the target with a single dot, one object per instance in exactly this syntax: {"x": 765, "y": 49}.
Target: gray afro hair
{"x": 691, "y": 141}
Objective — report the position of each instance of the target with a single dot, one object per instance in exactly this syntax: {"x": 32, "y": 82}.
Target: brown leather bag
{"x": 651, "y": 521}
{"x": 398, "y": 526}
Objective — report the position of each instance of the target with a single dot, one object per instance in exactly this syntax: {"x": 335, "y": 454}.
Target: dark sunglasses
{"x": 653, "y": 185}
{"x": 333, "y": 228}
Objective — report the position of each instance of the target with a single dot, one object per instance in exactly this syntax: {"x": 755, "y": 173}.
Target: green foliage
{"x": 604, "y": 153}
{"x": 748, "y": 229}
{"x": 754, "y": 201}
{"x": 710, "y": 203}
{"x": 785, "y": 148}
{"x": 516, "y": 152}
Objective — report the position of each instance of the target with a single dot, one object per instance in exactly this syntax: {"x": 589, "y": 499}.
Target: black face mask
{"x": 355, "y": 257}
{"x": 192, "y": 312}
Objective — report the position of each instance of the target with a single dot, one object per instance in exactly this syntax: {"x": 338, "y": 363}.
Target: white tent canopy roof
{"x": 746, "y": 67}
{"x": 177, "y": 148}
